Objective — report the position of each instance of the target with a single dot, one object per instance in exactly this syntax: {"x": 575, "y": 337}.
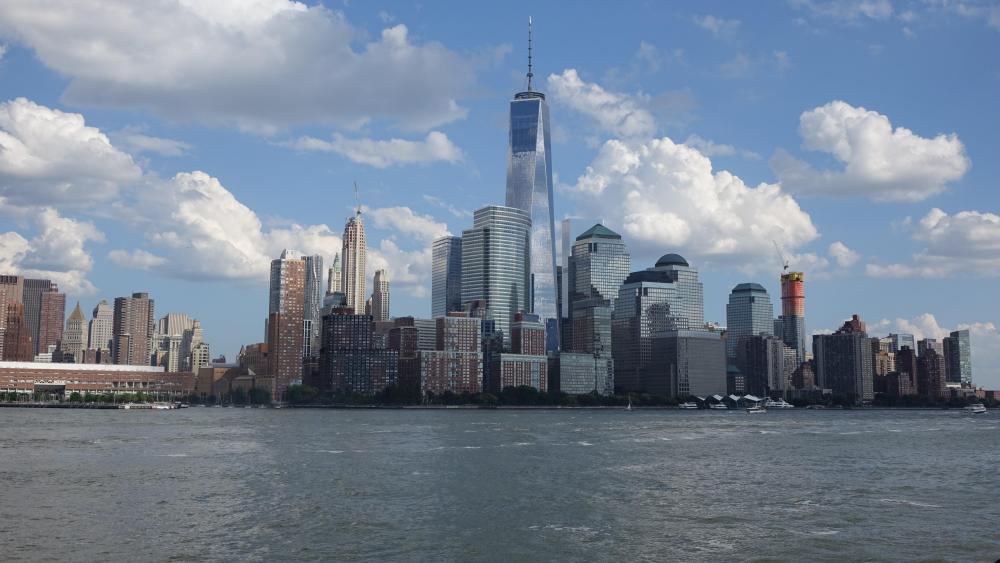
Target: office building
{"x": 579, "y": 373}
{"x": 74, "y": 340}
{"x": 132, "y": 329}
{"x": 495, "y": 263}
{"x": 899, "y": 340}
{"x": 597, "y": 266}
{"x": 446, "y": 276}
{"x": 44, "y": 313}
{"x": 685, "y": 363}
{"x": 529, "y": 188}
{"x": 334, "y": 283}
{"x": 286, "y": 312}
{"x": 749, "y": 313}
{"x": 16, "y": 345}
{"x": 354, "y": 255}
{"x": 844, "y": 361}
{"x": 380, "y": 296}
{"x": 666, "y": 297}
{"x": 767, "y": 364}
{"x": 100, "y": 329}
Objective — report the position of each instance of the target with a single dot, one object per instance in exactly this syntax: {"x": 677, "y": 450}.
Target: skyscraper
{"x": 74, "y": 339}
{"x": 958, "y": 355}
{"x": 11, "y": 291}
{"x": 16, "y": 345}
{"x": 900, "y": 340}
{"x": 665, "y": 298}
{"x": 598, "y": 264}
{"x": 101, "y": 329}
{"x": 286, "y": 312}
{"x": 333, "y": 281}
{"x": 446, "y": 276}
{"x": 749, "y": 313}
{"x": 793, "y": 313}
{"x": 44, "y": 312}
{"x": 51, "y": 318}
{"x": 495, "y": 262}
{"x": 132, "y": 329}
{"x": 312, "y": 305}
{"x": 529, "y": 188}
{"x": 380, "y": 296}
{"x": 354, "y": 254}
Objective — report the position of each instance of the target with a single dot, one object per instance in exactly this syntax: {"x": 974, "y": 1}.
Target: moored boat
{"x": 977, "y": 408}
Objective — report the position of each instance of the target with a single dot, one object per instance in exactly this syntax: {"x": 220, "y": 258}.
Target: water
{"x": 252, "y": 484}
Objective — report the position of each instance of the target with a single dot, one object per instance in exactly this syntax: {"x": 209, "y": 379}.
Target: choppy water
{"x": 248, "y": 484}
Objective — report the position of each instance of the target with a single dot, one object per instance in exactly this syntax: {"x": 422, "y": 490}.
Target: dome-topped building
{"x": 672, "y": 260}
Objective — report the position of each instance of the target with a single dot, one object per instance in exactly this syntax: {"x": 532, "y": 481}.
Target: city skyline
{"x": 601, "y": 116}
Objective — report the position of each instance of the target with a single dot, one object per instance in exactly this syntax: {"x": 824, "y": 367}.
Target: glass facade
{"x": 958, "y": 354}
{"x": 529, "y": 188}
{"x": 313, "y": 303}
{"x": 666, "y": 297}
{"x": 446, "y": 276}
{"x": 495, "y": 263}
{"x": 749, "y": 313}
{"x": 598, "y": 265}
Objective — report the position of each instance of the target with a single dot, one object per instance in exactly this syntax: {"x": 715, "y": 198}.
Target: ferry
{"x": 718, "y": 406}
{"x": 779, "y": 404}
{"x": 977, "y": 408}
{"x": 688, "y": 405}
{"x": 756, "y": 409}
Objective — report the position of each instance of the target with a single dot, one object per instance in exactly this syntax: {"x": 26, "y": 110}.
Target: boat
{"x": 756, "y": 409}
{"x": 688, "y": 405}
{"x": 718, "y": 406}
{"x": 778, "y": 404}
{"x": 977, "y": 408}
{"x": 628, "y": 407}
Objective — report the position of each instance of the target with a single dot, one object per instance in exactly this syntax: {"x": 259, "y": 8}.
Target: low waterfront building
{"x": 65, "y": 379}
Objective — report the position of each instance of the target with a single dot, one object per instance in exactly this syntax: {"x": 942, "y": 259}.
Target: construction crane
{"x": 781, "y": 256}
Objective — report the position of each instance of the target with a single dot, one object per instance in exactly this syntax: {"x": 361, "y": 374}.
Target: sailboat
{"x": 628, "y": 407}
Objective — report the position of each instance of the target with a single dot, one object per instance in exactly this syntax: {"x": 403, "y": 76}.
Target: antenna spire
{"x": 357, "y": 200}
{"x": 530, "y": 74}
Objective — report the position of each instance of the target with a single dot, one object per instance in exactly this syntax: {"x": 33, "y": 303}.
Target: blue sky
{"x": 175, "y": 147}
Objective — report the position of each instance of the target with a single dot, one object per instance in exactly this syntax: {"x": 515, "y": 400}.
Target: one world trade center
{"x": 529, "y": 188}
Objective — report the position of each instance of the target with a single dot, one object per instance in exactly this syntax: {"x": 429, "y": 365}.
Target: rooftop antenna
{"x": 530, "y": 74}
{"x": 357, "y": 199}
{"x": 781, "y": 256}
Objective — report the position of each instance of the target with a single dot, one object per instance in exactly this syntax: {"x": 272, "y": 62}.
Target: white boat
{"x": 628, "y": 407}
{"x": 688, "y": 405}
{"x": 778, "y": 404}
{"x": 718, "y": 406}
{"x": 977, "y": 408}
{"x": 756, "y": 409}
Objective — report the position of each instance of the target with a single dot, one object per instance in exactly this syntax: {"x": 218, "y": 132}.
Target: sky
{"x": 177, "y": 146}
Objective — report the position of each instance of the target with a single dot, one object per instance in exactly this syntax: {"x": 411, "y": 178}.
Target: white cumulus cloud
{"x": 261, "y": 65}
{"x": 880, "y": 162}
{"x": 666, "y": 197}
{"x": 405, "y": 221}
{"x": 614, "y": 112}
{"x": 57, "y": 251}
{"x": 708, "y": 147}
{"x": 136, "y": 259}
{"x": 844, "y": 256}
{"x": 134, "y": 140}
{"x": 436, "y": 147}
{"x": 955, "y": 244}
{"x": 719, "y": 27}
{"x": 50, "y": 157}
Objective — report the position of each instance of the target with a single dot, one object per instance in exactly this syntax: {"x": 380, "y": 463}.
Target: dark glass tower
{"x": 529, "y": 188}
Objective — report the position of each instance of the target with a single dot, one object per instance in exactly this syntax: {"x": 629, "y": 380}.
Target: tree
{"x": 301, "y": 394}
{"x": 75, "y": 397}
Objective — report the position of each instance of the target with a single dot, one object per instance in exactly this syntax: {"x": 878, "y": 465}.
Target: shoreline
{"x": 103, "y": 406}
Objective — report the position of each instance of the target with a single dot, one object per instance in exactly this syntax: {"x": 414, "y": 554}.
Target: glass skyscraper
{"x": 749, "y": 313}
{"x": 446, "y": 276}
{"x": 496, "y": 255}
{"x": 598, "y": 265}
{"x": 666, "y": 297}
{"x": 529, "y": 188}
